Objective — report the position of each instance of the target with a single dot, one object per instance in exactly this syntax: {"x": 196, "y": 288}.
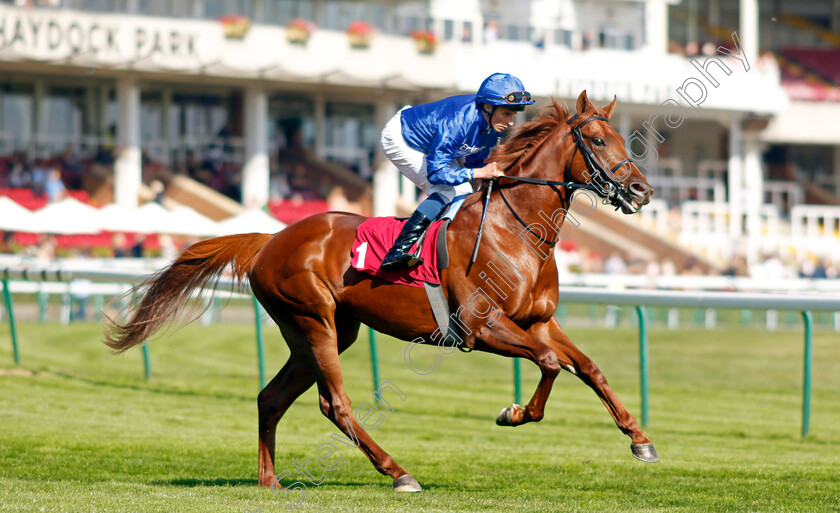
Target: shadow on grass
{"x": 187, "y": 393}
{"x": 192, "y": 483}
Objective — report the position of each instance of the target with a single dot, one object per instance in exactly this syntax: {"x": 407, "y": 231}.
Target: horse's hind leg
{"x": 295, "y": 378}
{"x": 584, "y": 368}
{"x": 335, "y": 404}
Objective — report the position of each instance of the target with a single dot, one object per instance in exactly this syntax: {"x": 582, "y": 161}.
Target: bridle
{"x": 597, "y": 178}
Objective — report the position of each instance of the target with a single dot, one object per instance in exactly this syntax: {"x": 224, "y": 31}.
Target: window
{"x": 281, "y": 12}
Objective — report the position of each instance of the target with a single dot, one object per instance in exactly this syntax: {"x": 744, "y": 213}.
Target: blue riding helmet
{"x": 503, "y": 89}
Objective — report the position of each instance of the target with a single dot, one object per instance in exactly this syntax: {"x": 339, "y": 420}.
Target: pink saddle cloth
{"x": 375, "y": 237}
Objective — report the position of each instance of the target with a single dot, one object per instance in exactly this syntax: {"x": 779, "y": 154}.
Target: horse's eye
{"x": 598, "y": 142}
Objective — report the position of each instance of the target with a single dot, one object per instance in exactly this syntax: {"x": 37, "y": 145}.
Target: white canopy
{"x": 14, "y": 217}
{"x": 118, "y": 218}
{"x": 155, "y": 219}
{"x": 66, "y": 217}
{"x": 250, "y": 221}
{"x": 187, "y": 221}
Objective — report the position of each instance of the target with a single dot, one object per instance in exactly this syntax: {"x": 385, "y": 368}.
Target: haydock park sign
{"x": 107, "y": 39}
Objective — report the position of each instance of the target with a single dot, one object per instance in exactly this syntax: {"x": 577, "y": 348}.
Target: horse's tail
{"x": 167, "y": 290}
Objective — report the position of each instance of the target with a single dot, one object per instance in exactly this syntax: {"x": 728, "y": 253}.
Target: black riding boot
{"x": 398, "y": 257}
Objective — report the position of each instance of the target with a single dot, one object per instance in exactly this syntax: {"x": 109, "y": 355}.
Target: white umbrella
{"x": 189, "y": 222}
{"x": 250, "y": 221}
{"x": 66, "y": 217}
{"x": 119, "y": 218}
{"x": 13, "y": 216}
{"x": 155, "y": 219}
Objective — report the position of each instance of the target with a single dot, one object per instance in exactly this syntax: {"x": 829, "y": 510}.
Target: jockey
{"x": 424, "y": 142}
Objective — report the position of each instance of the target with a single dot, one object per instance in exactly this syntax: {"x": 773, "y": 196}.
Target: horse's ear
{"x": 608, "y": 110}
{"x": 582, "y": 103}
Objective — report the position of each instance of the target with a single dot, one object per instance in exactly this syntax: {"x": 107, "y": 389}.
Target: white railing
{"x": 705, "y": 228}
{"x": 45, "y": 146}
{"x": 815, "y": 229}
{"x": 701, "y": 283}
{"x": 177, "y": 151}
{"x": 668, "y": 167}
{"x": 712, "y": 169}
{"x": 784, "y": 194}
{"x": 677, "y": 189}
{"x": 655, "y": 217}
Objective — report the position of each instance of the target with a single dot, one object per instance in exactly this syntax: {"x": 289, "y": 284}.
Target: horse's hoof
{"x": 505, "y": 417}
{"x": 269, "y": 482}
{"x": 644, "y": 452}
{"x": 406, "y": 483}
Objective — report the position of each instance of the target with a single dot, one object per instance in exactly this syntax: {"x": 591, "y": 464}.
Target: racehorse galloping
{"x": 303, "y": 277}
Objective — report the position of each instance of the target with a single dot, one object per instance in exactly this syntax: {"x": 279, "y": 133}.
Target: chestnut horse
{"x": 303, "y": 278}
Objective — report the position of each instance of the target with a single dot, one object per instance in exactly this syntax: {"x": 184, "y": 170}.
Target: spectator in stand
{"x": 104, "y": 155}
{"x": 120, "y": 245}
{"x": 72, "y": 168}
{"x": 137, "y": 249}
{"x": 668, "y": 268}
{"x": 54, "y": 186}
{"x": 491, "y": 32}
{"x": 737, "y": 267}
{"x": 39, "y": 177}
{"x": 298, "y": 181}
{"x": 46, "y": 248}
{"x": 813, "y": 267}
{"x": 337, "y": 201}
{"x": 19, "y": 176}
{"x": 158, "y": 190}
{"x": 615, "y": 265}
{"x": 820, "y": 270}
{"x": 279, "y": 186}
{"x": 691, "y": 267}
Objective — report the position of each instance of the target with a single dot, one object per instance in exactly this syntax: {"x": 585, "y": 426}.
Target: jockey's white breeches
{"x": 412, "y": 163}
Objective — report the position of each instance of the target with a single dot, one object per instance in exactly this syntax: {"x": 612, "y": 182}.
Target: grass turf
{"x": 85, "y": 432}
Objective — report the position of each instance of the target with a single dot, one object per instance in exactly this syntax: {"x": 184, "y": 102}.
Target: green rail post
{"x": 98, "y": 305}
{"x": 806, "y": 378}
{"x": 746, "y": 317}
{"x": 43, "y": 304}
{"x": 562, "y": 312}
{"x": 7, "y": 296}
{"x": 260, "y": 348}
{"x": 643, "y": 362}
{"x": 517, "y": 382}
{"x": 147, "y": 362}
{"x": 374, "y": 359}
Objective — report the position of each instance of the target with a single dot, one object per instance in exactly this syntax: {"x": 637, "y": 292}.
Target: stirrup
{"x": 401, "y": 262}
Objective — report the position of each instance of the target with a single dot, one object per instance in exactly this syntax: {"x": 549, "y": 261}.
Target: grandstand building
{"x": 731, "y": 106}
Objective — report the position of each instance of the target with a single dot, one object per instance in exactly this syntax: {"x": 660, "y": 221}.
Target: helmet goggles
{"x": 514, "y": 98}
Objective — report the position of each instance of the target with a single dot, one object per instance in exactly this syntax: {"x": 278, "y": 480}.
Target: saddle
{"x": 375, "y": 237}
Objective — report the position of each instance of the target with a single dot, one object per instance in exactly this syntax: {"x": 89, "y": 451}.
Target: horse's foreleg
{"x": 507, "y": 339}
{"x": 584, "y": 368}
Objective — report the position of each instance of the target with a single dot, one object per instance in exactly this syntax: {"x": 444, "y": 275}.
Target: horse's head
{"x": 600, "y": 158}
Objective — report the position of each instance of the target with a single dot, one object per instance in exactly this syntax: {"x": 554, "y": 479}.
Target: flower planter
{"x": 299, "y": 30}
{"x": 297, "y": 35}
{"x": 235, "y": 26}
{"x": 425, "y": 40}
{"x": 359, "y": 34}
{"x": 424, "y": 46}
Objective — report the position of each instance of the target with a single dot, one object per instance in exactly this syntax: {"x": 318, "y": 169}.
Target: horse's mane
{"x": 527, "y": 136}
